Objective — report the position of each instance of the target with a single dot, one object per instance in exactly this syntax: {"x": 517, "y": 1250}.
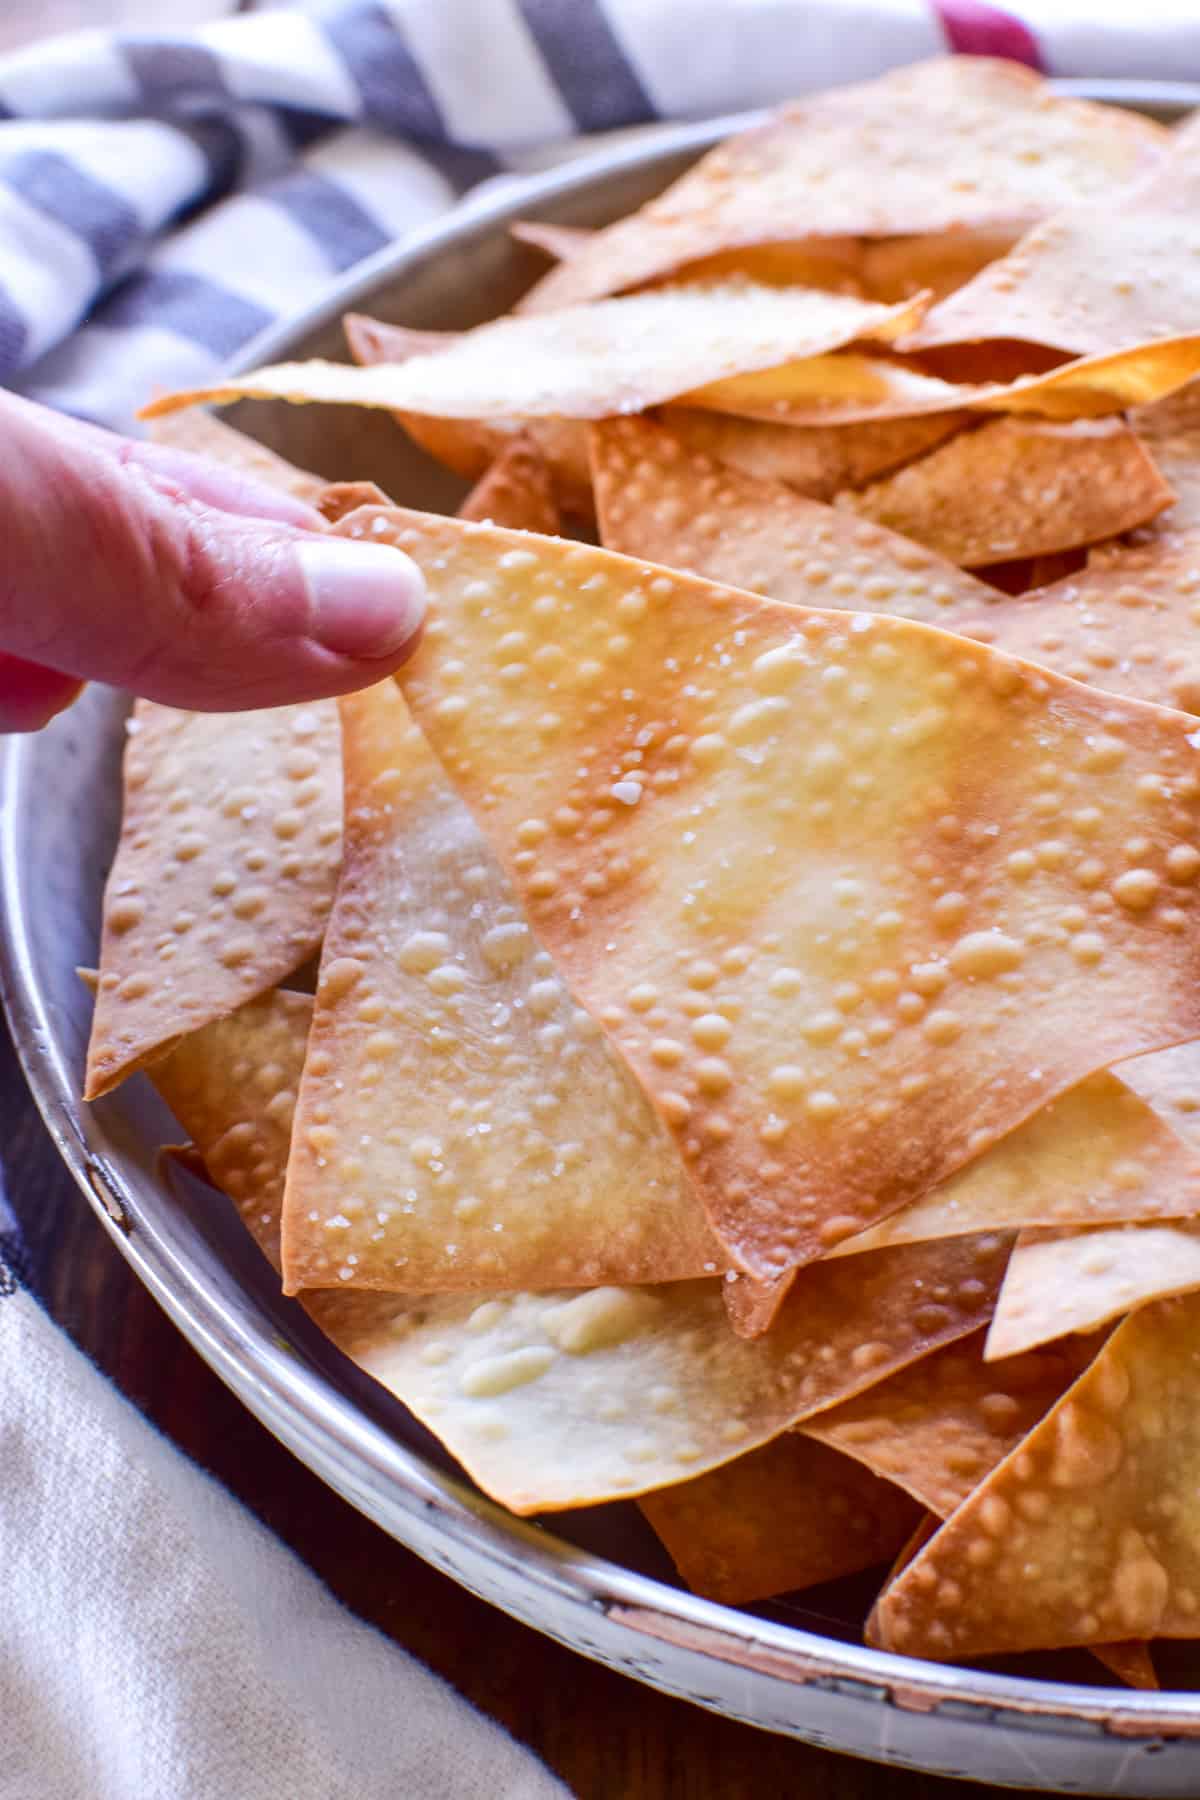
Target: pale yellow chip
{"x": 1169, "y": 1081}
{"x": 588, "y": 361}
{"x": 203, "y": 434}
{"x": 1063, "y": 1281}
{"x": 224, "y": 874}
{"x": 563, "y": 1399}
{"x": 816, "y": 460}
{"x": 956, "y": 142}
{"x": 841, "y": 388}
{"x": 462, "y": 1123}
{"x": 789, "y": 1515}
{"x": 816, "y": 874}
{"x": 1113, "y": 274}
{"x": 516, "y": 491}
{"x": 1100, "y": 1154}
{"x": 938, "y": 1427}
{"x": 1087, "y": 1532}
{"x": 1019, "y": 487}
{"x": 938, "y": 262}
{"x": 471, "y": 446}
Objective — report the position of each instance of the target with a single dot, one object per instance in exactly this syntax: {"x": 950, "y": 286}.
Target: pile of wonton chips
{"x": 754, "y": 1061}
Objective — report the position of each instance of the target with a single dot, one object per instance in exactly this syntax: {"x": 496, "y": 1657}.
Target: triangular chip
{"x": 516, "y": 491}
{"x": 1113, "y": 274}
{"x": 1169, "y": 1081}
{"x": 938, "y": 1427}
{"x": 588, "y": 361}
{"x": 224, "y": 873}
{"x": 1100, "y": 1154}
{"x": 817, "y": 460}
{"x": 937, "y": 262}
{"x": 842, "y": 387}
{"x": 657, "y": 499}
{"x": 816, "y": 874}
{"x": 203, "y": 434}
{"x": 462, "y": 1123}
{"x": 562, "y": 1399}
{"x": 471, "y": 446}
{"x": 1063, "y": 1281}
{"x": 957, "y": 142}
{"x": 786, "y": 1517}
{"x": 1088, "y": 1532}
{"x": 1019, "y": 487}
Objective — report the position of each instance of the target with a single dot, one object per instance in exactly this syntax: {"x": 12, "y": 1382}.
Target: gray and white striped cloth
{"x": 163, "y": 198}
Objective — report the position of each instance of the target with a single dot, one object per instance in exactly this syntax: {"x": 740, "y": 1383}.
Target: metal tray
{"x": 592, "y": 1580}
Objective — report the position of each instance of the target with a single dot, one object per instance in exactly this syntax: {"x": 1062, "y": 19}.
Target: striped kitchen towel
{"x": 165, "y": 197}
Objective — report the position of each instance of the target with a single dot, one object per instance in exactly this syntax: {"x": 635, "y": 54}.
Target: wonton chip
{"x": 1088, "y": 1532}
{"x": 842, "y": 388}
{"x": 471, "y": 446}
{"x": 816, "y": 460}
{"x": 516, "y": 491}
{"x": 937, "y": 262}
{"x": 564, "y": 1399}
{"x": 657, "y": 499}
{"x": 1114, "y": 274}
{"x": 588, "y": 361}
{"x": 818, "y": 875}
{"x": 1019, "y": 487}
{"x": 789, "y": 1515}
{"x": 938, "y": 1427}
{"x": 956, "y": 142}
{"x": 1058, "y": 1282}
{"x": 224, "y": 873}
{"x": 1169, "y": 1081}
{"x": 1099, "y": 1154}
{"x": 461, "y": 1123}
{"x": 202, "y": 434}
{"x": 1130, "y": 1662}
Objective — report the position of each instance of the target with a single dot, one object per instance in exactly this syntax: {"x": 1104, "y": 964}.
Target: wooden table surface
{"x": 608, "y": 1737}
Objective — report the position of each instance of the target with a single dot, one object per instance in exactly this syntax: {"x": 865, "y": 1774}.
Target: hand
{"x": 152, "y": 570}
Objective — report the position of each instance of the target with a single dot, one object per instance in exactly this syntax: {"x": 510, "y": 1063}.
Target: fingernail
{"x": 366, "y": 600}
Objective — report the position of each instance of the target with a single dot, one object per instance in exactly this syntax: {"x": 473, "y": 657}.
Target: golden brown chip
{"x": 837, "y": 860}
{"x": 816, "y": 460}
{"x": 838, "y": 389}
{"x": 1130, "y": 1662}
{"x": 462, "y": 1123}
{"x": 203, "y": 434}
{"x": 1087, "y": 1533}
{"x": 516, "y": 491}
{"x": 787, "y": 1516}
{"x": 341, "y": 497}
{"x": 586, "y": 361}
{"x": 1063, "y": 1281}
{"x": 656, "y": 498}
{"x": 561, "y": 1399}
{"x": 471, "y": 446}
{"x": 957, "y": 142}
{"x": 1103, "y": 1153}
{"x": 224, "y": 873}
{"x": 938, "y": 1427}
{"x": 1019, "y": 487}
{"x": 1113, "y": 274}
{"x": 939, "y": 261}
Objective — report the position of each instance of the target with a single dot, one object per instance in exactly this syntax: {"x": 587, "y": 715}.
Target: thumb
{"x": 115, "y": 571}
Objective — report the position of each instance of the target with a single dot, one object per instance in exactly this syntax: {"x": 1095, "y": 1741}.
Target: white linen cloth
{"x": 162, "y": 199}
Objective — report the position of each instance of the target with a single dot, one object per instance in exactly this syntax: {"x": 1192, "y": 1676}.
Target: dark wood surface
{"x": 608, "y": 1737}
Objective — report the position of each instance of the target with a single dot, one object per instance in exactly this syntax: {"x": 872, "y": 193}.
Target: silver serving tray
{"x": 594, "y": 1581}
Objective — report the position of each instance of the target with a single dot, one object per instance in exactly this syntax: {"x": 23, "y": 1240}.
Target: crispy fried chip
{"x": 787, "y": 1516}
{"x": 341, "y": 497}
{"x": 957, "y": 142}
{"x": 471, "y": 446}
{"x": 841, "y": 388}
{"x": 837, "y": 1002}
{"x": 588, "y": 361}
{"x": 563, "y": 1399}
{"x": 938, "y": 1427}
{"x": 1088, "y": 1531}
{"x": 224, "y": 873}
{"x": 202, "y": 434}
{"x": 816, "y": 460}
{"x": 1063, "y": 1281}
{"x": 516, "y": 491}
{"x": 659, "y": 500}
{"x": 1169, "y": 1081}
{"x": 1113, "y": 274}
{"x": 1130, "y": 1662}
{"x": 1097, "y": 1155}
{"x": 461, "y": 1123}
{"x": 938, "y": 262}
{"x": 1019, "y": 487}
